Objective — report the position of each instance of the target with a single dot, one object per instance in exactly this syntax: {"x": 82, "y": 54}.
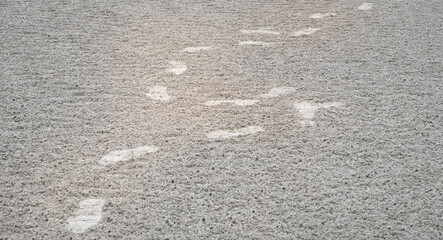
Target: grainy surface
{"x": 74, "y": 77}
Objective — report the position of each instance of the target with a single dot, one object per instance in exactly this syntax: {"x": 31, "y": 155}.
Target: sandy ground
{"x": 88, "y": 82}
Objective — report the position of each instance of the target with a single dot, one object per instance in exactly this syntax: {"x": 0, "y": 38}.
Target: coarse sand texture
{"x": 246, "y": 119}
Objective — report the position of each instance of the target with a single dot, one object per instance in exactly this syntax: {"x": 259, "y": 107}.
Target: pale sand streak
{"x": 308, "y": 110}
{"x": 196, "y": 49}
{"x": 177, "y": 67}
{"x": 319, "y": 15}
{"x": 158, "y": 93}
{"x": 260, "y": 31}
{"x": 256, "y": 43}
{"x": 365, "y": 6}
{"x": 238, "y": 102}
{"x": 127, "y": 154}
{"x": 307, "y": 31}
{"x": 278, "y": 91}
{"x": 88, "y": 214}
{"x": 224, "y": 134}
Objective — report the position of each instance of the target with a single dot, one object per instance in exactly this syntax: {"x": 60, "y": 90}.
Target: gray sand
{"x": 74, "y": 83}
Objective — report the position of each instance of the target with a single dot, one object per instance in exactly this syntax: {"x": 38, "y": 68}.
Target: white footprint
{"x": 319, "y": 15}
{"x": 224, "y": 134}
{"x": 88, "y": 214}
{"x": 307, "y": 31}
{"x": 308, "y": 110}
{"x": 196, "y": 49}
{"x": 365, "y": 6}
{"x": 238, "y": 102}
{"x": 177, "y": 67}
{"x": 256, "y": 43}
{"x": 260, "y": 31}
{"x": 275, "y": 92}
{"x": 158, "y": 93}
{"x": 127, "y": 154}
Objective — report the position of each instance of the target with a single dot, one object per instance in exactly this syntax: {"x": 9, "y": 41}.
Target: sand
{"x": 74, "y": 82}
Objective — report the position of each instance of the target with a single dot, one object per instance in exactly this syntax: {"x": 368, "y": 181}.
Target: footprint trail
{"x": 238, "y": 102}
{"x": 260, "y": 31}
{"x": 319, "y": 15}
{"x": 158, "y": 93}
{"x": 278, "y": 91}
{"x": 127, "y": 154}
{"x": 196, "y": 49}
{"x": 308, "y": 110}
{"x": 88, "y": 214}
{"x": 365, "y": 6}
{"x": 177, "y": 68}
{"x": 225, "y": 134}
{"x": 256, "y": 43}
{"x": 307, "y": 31}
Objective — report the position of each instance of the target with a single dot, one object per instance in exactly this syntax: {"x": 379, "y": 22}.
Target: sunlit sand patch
{"x": 158, "y": 93}
{"x": 319, "y": 15}
{"x": 256, "y": 43}
{"x": 177, "y": 67}
{"x": 365, "y": 6}
{"x": 308, "y": 110}
{"x": 196, "y": 49}
{"x": 238, "y": 102}
{"x": 224, "y": 134}
{"x": 88, "y": 214}
{"x": 127, "y": 154}
{"x": 278, "y": 91}
{"x": 260, "y": 31}
{"x": 307, "y": 31}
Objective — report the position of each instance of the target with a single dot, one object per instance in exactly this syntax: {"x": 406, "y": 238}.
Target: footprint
{"x": 308, "y": 110}
{"x": 177, "y": 67}
{"x": 88, "y": 214}
{"x": 256, "y": 43}
{"x": 224, "y": 134}
{"x": 158, "y": 93}
{"x": 275, "y": 92}
{"x": 319, "y": 15}
{"x": 307, "y": 31}
{"x": 365, "y": 6}
{"x": 127, "y": 154}
{"x": 196, "y": 49}
{"x": 260, "y": 31}
{"x": 238, "y": 102}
